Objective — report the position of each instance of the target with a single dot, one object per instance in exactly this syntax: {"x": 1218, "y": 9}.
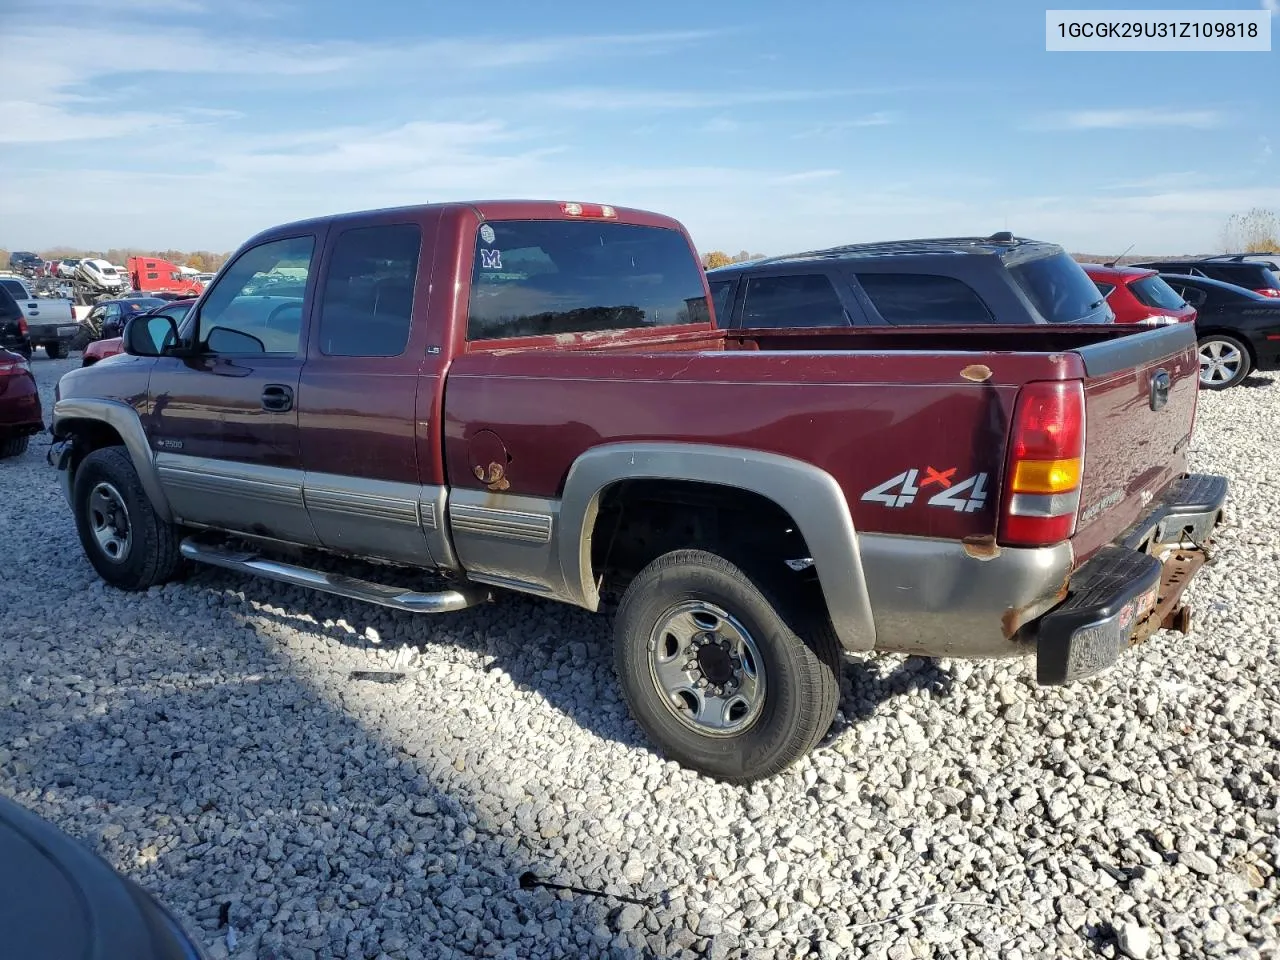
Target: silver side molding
{"x": 398, "y": 598}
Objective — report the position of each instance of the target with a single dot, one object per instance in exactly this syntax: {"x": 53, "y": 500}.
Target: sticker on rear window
{"x": 487, "y": 234}
{"x": 490, "y": 259}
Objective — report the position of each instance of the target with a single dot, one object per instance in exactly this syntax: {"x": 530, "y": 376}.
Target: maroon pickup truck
{"x": 535, "y": 396}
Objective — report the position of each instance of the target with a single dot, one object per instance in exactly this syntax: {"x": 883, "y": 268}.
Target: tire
{"x": 56, "y": 351}
{"x": 146, "y": 551}
{"x": 13, "y": 446}
{"x": 763, "y": 720}
{"x": 82, "y": 339}
{"x": 1224, "y": 361}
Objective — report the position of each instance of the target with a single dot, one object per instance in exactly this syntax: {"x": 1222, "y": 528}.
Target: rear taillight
{"x": 1046, "y": 463}
{"x": 1268, "y": 292}
{"x": 22, "y": 326}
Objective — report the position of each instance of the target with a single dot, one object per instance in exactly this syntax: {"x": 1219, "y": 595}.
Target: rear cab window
{"x": 1059, "y": 289}
{"x": 792, "y": 300}
{"x": 923, "y": 299}
{"x": 538, "y": 277}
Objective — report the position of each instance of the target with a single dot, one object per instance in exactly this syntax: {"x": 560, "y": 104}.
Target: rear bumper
{"x": 1133, "y": 587}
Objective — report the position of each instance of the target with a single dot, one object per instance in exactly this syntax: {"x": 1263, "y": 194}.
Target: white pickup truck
{"x": 50, "y": 323}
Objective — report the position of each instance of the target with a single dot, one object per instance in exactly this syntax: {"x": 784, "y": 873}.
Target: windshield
{"x": 1060, "y": 290}
{"x": 1154, "y": 292}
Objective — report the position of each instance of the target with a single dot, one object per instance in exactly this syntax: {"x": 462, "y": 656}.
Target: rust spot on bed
{"x": 977, "y": 372}
{"x": 981, "y": 546}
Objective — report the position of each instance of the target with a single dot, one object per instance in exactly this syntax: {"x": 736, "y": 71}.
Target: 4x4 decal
{"x": 963, "y": 496}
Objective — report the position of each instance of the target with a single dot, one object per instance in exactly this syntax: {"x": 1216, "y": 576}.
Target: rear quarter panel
{"x": 863, "y": 417}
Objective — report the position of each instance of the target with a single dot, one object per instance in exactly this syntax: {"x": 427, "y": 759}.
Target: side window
{"x": 799, "y": 300}
{"x": 910, "y": 298}
{"x": 368, "y": 292}
{"x": 720, "y": 293}
{"x": 1105, "y": 288}
{"x": 1192, "y": 295}
{"x": 256, "y": 305}
{"x": 113, "y": 311}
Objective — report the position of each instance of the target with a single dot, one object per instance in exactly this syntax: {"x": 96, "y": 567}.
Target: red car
{"x": 20, "y": 414}
{"x": 1139, "y": 295}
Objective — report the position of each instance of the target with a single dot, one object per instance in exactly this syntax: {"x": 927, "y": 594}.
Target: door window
{"x": 256, "y": 305}
{"x": 368, "y": 292}
{"x": 794, "y": 300}
{"x": 720, "y": 294}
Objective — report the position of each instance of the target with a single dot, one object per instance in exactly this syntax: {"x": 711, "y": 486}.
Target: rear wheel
{"x": 127, "y": 542}
{"x": 1224, "y": 361}
{"x": 726, "y": 675}
{"x": 56, "y": 351}
{"x": 13, "y": 446}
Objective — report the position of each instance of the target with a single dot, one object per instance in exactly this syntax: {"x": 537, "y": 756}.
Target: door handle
{"x": 277, "y": 398}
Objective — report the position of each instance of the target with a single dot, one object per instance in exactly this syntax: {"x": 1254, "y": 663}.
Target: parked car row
{"x": 1234, "y": 301}
{"x": 537, "y": 397}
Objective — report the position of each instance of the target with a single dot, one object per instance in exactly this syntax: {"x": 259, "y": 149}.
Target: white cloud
{"x": 722, "y": 125}
{"x": 1130, "y": 118}
{"x": 1273, "y": 6}
{"x": 880, "y": 118}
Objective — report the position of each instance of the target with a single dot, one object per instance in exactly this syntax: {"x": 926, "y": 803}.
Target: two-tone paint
{"x": 490, "y": 459}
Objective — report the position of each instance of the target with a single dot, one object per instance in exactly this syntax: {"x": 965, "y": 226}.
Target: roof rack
{"x": 1244, "y": 256}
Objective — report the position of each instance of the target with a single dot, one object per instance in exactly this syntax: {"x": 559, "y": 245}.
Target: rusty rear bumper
{"x": 1132, "y": 588}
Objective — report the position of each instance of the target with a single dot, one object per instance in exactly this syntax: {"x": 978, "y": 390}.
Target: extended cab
{"x": 535, "y": 397}
{"x": 51, "y": 323}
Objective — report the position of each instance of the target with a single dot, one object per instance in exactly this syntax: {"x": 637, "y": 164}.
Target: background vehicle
{"x": 1252, "y": 275}
{"x": 67, "y": 268}
{"x": 50, "y": 322}
{"x": 13, "y": 325}
{"x": 24, "y": 262}
{"x": 108, "y": 317}
{"x": 20, "y": 413}
{"x": 1238, "y": 330}
{"x": 95, "y": 279}
{"x": 534, "y": 397}
{"x": 153, "y": 275}
{"x": 965, "y": 281}
{"x": 1139, "y": 295}
{"x": 63, "y": 902}
{"x": 112, "y": 344}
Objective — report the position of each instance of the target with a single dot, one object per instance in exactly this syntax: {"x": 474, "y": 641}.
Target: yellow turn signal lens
{"x": 1046, "y": 476}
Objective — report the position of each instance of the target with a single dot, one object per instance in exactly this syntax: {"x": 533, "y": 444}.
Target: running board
{"x": 398, "y": 598}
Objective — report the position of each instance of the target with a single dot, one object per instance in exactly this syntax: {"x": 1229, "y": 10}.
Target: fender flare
{"x": 809, "y": 495}
{"x": 124, "y": 420}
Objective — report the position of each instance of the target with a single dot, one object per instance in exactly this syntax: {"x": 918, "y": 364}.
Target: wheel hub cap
{"x": 1219, "y": 362}
{"x": 707, "y": 668}
{"x": 109, "y": 521}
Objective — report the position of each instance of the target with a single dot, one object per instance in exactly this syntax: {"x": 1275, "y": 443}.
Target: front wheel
{"x": 1224, "y": 361}
{"x": 714, "y": 670}
{"x": 127, "y": 542}
{"x": 56, "y": 351}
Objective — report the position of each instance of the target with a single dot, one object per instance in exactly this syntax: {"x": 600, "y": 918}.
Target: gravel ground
{"x": 210, "y": 740}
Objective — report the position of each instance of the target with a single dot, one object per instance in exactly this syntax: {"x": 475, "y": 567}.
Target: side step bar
{"x": 398, "y": 598}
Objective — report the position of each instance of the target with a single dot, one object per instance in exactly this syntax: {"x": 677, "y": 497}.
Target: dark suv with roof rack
{"x": 959, "y": 281}
{"x": 1241, "y": 269}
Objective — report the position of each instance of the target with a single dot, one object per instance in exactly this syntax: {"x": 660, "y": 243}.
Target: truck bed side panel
{"x": 864, "y": 418}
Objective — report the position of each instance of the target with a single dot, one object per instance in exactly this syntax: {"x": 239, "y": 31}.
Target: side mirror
{"x": 150, "y": 336}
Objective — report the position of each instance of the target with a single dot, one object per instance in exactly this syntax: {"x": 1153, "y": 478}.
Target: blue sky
{"x": 771, "y": 127}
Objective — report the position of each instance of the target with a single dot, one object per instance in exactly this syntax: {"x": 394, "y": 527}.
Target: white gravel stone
{"x": 207, "y": 740}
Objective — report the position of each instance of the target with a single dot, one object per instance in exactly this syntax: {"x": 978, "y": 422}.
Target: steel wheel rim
{"x": 707, "y": 669}
{"x": 109, "y": 521}
{"x": 1219, "y": 362}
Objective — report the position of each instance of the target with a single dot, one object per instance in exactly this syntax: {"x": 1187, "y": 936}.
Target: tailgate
{"x": 1140, "y": 401}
